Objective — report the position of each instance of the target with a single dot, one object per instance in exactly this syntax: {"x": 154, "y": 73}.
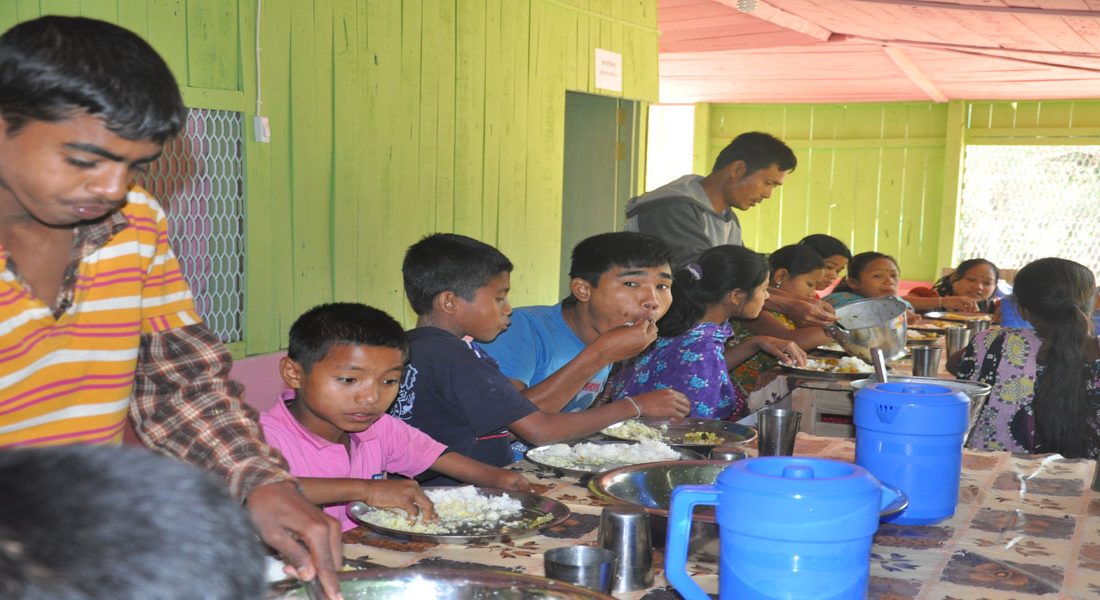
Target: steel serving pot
{"x": 871, "y": 323}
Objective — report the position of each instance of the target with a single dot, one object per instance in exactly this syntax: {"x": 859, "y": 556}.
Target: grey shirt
{"x": 680, "y": 214}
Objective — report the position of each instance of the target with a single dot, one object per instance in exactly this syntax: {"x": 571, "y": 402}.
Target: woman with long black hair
{"x": 1046, "y": 382}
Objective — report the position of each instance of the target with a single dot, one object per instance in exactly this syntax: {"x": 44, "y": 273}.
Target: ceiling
{"x": 787, "y": 51}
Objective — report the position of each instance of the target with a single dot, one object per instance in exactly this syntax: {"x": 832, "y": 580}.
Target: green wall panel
{"x": 883, "y": 176}
{"x": 869, "y": 174}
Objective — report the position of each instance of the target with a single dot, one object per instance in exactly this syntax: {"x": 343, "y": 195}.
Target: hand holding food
{"x": 400, "y": 493}
{"x": 625, "y": 341}
{"x": 788, "y": 352}
{"x": 663, "y": 403}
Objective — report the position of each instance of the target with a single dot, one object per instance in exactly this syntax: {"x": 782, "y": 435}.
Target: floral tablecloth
{"x": 1025, "y": 527}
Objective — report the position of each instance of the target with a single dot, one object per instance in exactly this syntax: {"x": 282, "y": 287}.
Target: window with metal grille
{"x": 1020, "y": 203}
{"x": 199, "y": 179}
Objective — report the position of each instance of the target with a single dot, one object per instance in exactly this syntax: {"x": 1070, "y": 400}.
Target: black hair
{"x": 596, "y": 255}
{"x": 320, "y": 328}
{"x": 106, "y": 522}
{"x": 758, "y": 151}
{"x": 856, "y": 266}
{"x": 444, "y": 262}
{"x": 53, "y": 67}
{"x": 1059, "y": 293}
{"x": 826, "y": 245}
{"x": 796, "y": 259}
{"x": 719, "y": 271}
{"x": 944, "y": 284}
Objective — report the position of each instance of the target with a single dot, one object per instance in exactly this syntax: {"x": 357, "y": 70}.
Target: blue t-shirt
{"x": 453, "y": 391}
{"x": 537, "y": 345}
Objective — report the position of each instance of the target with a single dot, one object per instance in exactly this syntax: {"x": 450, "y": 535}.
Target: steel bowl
{"x": 870, "y": 323}
{"x": 447, "y": 584}
{"x": 975, "y": 390}
{"x": 650, "y": 486}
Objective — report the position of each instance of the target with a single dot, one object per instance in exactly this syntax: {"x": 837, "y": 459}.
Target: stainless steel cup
{"x": 926, "y": 360}
{"x": 730, "y": 453}
{"x": 976, "y": 326}
{"x": 625, "y": 531}
{"x": 778, "y": 429}
{"x": 956, "y": 338}
{"x": 586, "y": 566}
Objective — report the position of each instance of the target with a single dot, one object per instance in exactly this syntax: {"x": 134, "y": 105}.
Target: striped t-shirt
{"x": 69, "y": 379}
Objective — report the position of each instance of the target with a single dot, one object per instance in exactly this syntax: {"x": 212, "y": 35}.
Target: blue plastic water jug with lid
{"x": 910, "y": 435}
{"x": 789, "y": 527}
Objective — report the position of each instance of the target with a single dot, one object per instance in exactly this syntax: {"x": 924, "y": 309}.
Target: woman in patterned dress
{"x": 1046, "y": 382}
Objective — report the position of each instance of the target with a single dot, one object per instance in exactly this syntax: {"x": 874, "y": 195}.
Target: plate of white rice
{"x": 586, "y": 458}
{"x": 466, "y": 514}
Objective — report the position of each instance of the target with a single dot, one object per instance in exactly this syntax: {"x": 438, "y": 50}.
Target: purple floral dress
{"x": 1005, "y": 359}
{"x": 692, "y": 363}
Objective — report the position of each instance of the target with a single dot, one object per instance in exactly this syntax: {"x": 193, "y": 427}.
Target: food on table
{"x": 460, "y": 510}
{"x": 954, "y": 316}
{"x": 848, "y": 364}
{"x": 705, "y": 438}
{"x": 832, "y": 347}
{"x": 597, "y": 457}
{"x": 920, "y": 336}
{"x": 633, "y": 429}
{"x": 935, "y": 324}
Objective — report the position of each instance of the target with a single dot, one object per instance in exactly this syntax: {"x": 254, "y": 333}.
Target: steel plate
{"x": 814, "y": 373}
{"x": 534, "y": 507}
{"x": 533, "y": 456}
{"x": 450, "y": 584}
{"x": 729, "y": 433}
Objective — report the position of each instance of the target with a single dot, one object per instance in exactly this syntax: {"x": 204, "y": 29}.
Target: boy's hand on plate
{"x": 510, "y": 480}
{"x": 667, "y": 403}
{"x": 399, "y": 493}
{"x": 626, "y": 341}
{"x": 786, "y": 351}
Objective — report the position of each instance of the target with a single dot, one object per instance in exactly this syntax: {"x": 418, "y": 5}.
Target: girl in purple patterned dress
{"x": 1046, "y": 383}
{"x": 727, "y": 281}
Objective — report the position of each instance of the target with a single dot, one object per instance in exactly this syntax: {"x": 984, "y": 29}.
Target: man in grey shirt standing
{"x": 694, "y": 213}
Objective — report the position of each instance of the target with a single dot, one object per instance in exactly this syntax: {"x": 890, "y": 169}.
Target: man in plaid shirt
{"x": 96, "y": 321}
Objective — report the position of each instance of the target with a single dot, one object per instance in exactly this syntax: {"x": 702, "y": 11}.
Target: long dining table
{"x": 1025, "y": 527}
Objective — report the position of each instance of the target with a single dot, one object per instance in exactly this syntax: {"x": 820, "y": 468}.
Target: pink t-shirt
{"x": 389, "y": 445}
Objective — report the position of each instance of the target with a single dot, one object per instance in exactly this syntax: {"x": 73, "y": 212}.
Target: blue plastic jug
{"x": 789, "y": 527}
{"x": 910, "y": 435}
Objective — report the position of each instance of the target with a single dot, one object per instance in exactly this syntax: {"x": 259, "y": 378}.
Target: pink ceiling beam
{"x": 914, "y": 73}
{"x": 771, "y": 14}
{"x": 1017, "y": 10}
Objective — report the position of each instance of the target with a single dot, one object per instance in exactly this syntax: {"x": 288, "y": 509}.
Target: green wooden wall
{"x": 882, "y": 177}
{"x": 390, "y": 119}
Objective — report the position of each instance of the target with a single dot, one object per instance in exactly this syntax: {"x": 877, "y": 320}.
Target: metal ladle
{"x": 878, "y": 359}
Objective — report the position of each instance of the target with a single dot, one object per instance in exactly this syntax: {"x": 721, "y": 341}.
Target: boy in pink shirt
{"x": 344, "y": 365}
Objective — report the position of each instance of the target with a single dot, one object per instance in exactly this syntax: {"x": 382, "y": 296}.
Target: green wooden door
{"x": 599, "y": 169}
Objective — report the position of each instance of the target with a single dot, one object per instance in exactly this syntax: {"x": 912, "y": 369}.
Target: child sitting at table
{"x": 690, "y": 356}
{"x": 452, "y": 388}
{"x": 1046, "y": 382}
{"x": 345, "y": 362}
{"x": 835, "y": 253}
{"x": 795, "y": 270}
{"x": 969, "y": 288}
{"x": 870, "y": 275}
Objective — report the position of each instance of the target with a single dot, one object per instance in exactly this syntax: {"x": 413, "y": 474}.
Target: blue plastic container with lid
{"x": 910, "y": 435}
{"x": 789, "y": 527}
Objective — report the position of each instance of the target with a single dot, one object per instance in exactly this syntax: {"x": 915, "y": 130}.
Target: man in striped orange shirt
{"x": 96, "y": 321}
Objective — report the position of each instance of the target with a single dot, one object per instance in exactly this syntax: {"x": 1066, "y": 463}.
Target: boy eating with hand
{"x": 344, "y": 363}
{"x": 454, "y": 391}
